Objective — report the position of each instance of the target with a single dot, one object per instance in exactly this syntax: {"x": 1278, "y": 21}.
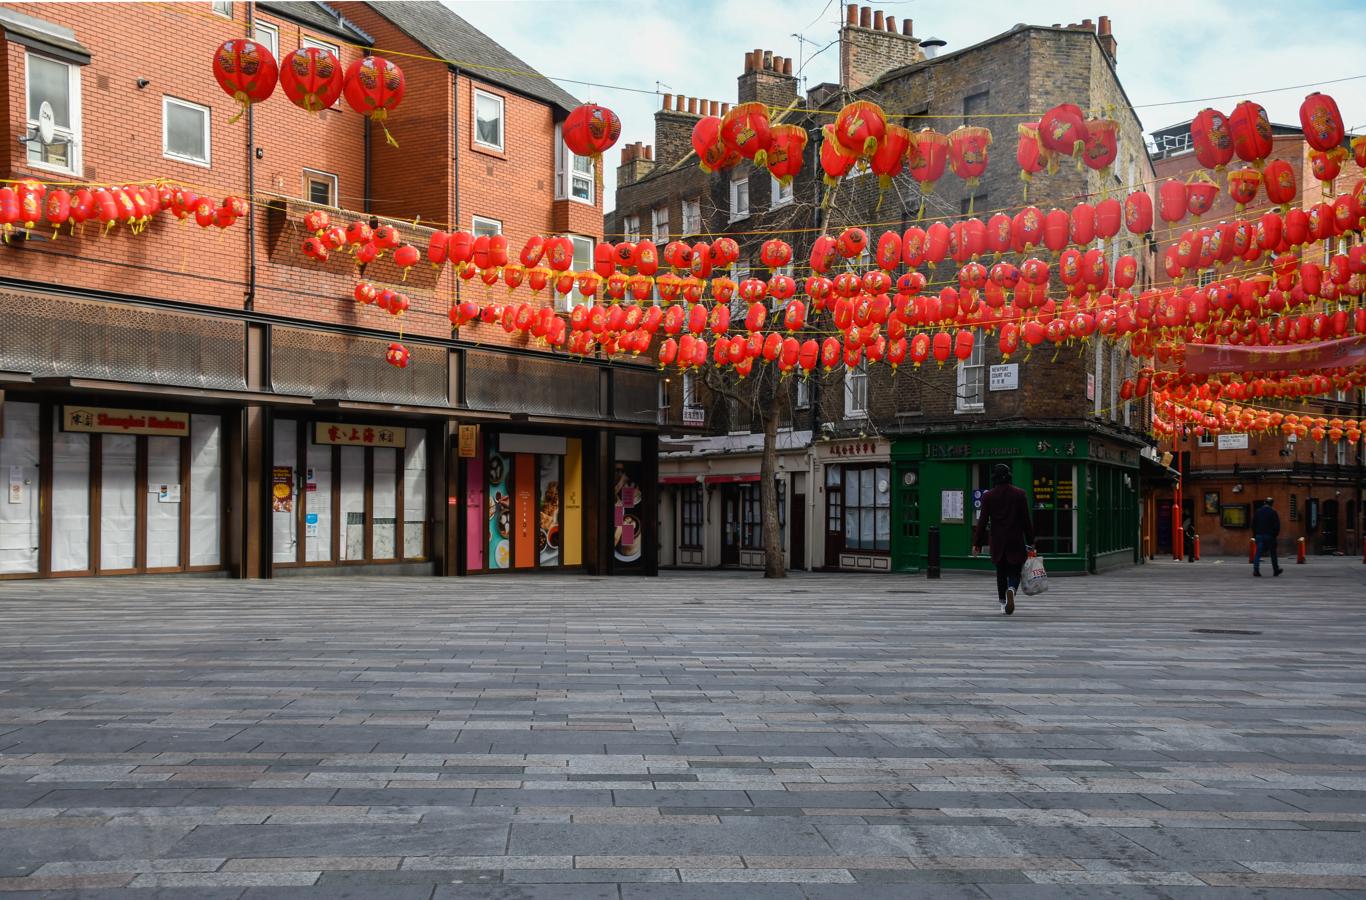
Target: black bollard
{"x": 932, "y": 563}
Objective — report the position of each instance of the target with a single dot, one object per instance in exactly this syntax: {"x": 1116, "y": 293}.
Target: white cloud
{"x": 1167, "y": 50}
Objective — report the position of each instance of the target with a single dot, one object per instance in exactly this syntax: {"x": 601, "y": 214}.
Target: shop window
{"x": 803, "y": 396}
{"x": 268, "y": 35}
{"x": 488, "y": 120}
{"x": 752, "y": 516}
{"x": 867, "y": 508}
{"x": 1053, "y": 497}
{"x": 415, "y": 495}
{"x": 691, "y": 522}
{"x": 58, "y": 85}
{"x": 118, "y": 502}
{"x": 185, "y": 131}
{"x": 19, "y": 517}
{"x": 320, "y": 187}
{"x": 70, "y": 499}
{"x": 834, "y": 499}
{"x": 525, "y": 509}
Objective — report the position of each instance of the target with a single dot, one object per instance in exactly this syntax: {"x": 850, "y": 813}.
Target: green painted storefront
{"x": 1083, "y": 489}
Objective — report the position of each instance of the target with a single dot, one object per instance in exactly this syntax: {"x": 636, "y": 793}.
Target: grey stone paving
{"x": 691, "y": 737}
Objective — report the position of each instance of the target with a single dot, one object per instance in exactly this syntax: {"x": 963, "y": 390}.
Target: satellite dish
{"x": 47, "y": 123}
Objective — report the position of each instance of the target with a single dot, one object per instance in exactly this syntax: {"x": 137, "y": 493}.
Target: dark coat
{"x": 1006, "y": 510}
{"x": 1266, "y": 521}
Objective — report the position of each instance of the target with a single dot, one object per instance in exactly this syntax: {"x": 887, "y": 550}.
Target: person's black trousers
{"x": 1007, "y": 575}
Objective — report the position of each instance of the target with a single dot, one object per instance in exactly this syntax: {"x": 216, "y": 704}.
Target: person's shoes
{"x": 1278, "y": 571}
{"x": 1256, "y": 574}
{"x": 1003, "y": 607}
{"x": 1010, "y": 601}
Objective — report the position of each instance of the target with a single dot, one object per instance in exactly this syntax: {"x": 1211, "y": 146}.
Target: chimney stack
{"x": 871, "y": 46}
{"x": 636, "y": 162}
{"x": 767, "y": 79}
{"x": 1107, "y": 39}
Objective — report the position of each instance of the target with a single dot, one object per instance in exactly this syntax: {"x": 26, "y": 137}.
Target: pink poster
{"x": 474, "y": 509}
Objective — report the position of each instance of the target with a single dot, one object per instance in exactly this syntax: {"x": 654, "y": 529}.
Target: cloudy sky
{"x": 1168, "y": 51}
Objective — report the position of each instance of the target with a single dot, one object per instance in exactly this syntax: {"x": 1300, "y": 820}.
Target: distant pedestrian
{"x": 1266, "y": 527}
{"x": 1188, "y": 529}
{"x": 1005, "y": 516}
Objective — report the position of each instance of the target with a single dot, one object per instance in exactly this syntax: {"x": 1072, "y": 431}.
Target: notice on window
{"x": 951, "y": 506}
{"x": 1043, "y": 491}
{"x": 282, "y": 489}
{"x": 1064, "y": 494}
{"x": 168, "y": 493}
{"x": 16, "y": 484}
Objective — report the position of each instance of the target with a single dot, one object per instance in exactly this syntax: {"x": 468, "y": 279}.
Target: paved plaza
{"x": 1169, "y": 731}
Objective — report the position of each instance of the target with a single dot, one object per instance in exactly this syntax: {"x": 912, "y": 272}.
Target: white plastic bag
{"x": 1033, "y": 578}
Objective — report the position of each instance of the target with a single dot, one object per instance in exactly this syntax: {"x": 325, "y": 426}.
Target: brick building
{"x": 1316, "y": 485}
{"x": 890, "y": 455}
{"x": 190, "y": 399}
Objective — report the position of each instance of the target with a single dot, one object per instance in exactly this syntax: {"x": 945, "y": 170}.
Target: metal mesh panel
{"x": 635, "y": 395}
{"x": 344, "y": 367}
{"x": 74, "y": 338}
{"x": 503, "y": 382}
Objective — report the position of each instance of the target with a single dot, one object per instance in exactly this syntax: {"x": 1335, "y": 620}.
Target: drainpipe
{"x": 455, "y": 156}
{"x": 250, "y": 301}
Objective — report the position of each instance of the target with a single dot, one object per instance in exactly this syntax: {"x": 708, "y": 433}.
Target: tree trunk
{"x": 768, "y": 494}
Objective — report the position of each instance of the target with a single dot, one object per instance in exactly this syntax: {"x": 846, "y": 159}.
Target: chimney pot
{"x": 1103, "y": 26}
{"x": 715, "y": 107}
{"x": 678, "y": 103}
{"x": 787, "y": 66}
{"x": 692, "y": 106}
{"x": 851, "y": 14}
{"x": 625, "y": 154}
{"x": 891, "y": 24}
{"x": 668, "y": 100}
{"x": 878, "y": 22}
{"x": 865, "y": 17}
{"x": 725, "y": 108}
{"x": 649, "y": 151}
{"x": 1088, "y": 25}
{"x": 906, "y": 27}
{"x": 768, "y": 60}
{"x": 777, "y": 65}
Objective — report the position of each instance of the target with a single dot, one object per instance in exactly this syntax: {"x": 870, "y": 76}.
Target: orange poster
{"x": 524, "y": 515}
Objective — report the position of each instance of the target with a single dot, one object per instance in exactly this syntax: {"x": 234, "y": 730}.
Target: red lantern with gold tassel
{"x": 859, "y": 128}
{"x": 246, "y": 71}
{"x": 889, "y": 158}
{"x": 928, "y": 161}
{"x": 1212, "y": 138}
{"x": 1251, "y": 131}
{"x": 1322, "y": 123}
{"x": 745, "y": 129}
{"x": 1326, "y": 166}
{"x": 591, "y": 130}
{"x": 834, "y": 162}
{"x": 968, "y": 146}
{"x": 1279, "y": 180}
{"x": 1062, "y": 131}
{"x": 311, "y": 78}
{"x": 1242, "y": 186}
{"x": 374, "y": 88}
{"x": 1101, "y": 145}
{"x": 1028, "y": 153}
{"x": 712, "y": 153}
{"x": 786, "y": 145}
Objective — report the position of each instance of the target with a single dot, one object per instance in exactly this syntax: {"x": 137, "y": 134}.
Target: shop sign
{"x": 854, "y": 448}
{"x": 1004, "y": 377}
{"x": 359, "y": 435}
{"x": 282, "y": 489}
{"x": 468, "y": 441}
{"x": 1232, "y": 441}
{"x": 99, "y": 420}
{"x": 948, "y": 451}
{"x": 1048, "y": 448}
{"x": 694, "y": 415}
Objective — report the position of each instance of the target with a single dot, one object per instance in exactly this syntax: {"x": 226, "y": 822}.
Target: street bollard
{"x": 932, "y": 562}
{"x": 1252, "y": 550}
{"x": 1197, "y": 548}
{"x": 1299, "y": 551}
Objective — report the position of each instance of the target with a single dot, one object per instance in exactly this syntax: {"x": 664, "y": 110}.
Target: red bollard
{"x": 1299, "y": 551}
{"x": 1252, "y": 550}
{"x": 1197, "y": 548}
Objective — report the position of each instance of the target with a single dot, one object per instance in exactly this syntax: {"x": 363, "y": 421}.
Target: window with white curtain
{"x": 972, "y": 378}
{"x": 856, "y": 391}
{"x": 488, "y": 120}
{"x": 659, "y": 229}
{"x": 692, "y": 216}
{"x": 739, "y": 198}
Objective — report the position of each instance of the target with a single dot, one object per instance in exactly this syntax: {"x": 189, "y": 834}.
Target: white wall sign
{"x": 694, "y": 415}
{"x": 1232, "y": 442}
{"x": 1090, "y": 385}
{"x": 1005, "y": 377}
{"x": 951, "y": 506}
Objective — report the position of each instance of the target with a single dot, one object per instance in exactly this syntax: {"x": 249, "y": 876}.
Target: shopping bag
{"x": 1033, "y": 578}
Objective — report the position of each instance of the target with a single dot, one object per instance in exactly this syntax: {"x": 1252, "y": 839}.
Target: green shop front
{"x": 1082, "y": 486}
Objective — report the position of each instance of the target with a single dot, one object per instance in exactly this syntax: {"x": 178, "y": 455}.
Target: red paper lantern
{"x": 968, "y": 146}
{"x": 1200, "y": 197}
{"x": 859, "y": 128}
{"x": 852, "y": 242}
{"x": 1083, "y": 227}
{"x": 1326, "y": 166}
{"x": 397, "y": 355}
{"x": 1138, "y": 212}
{"x": 1028, "y": 153}
{"x": 1173, "y": 200}
{"x": 246, "y": 71}
{"x": 930, "y": 156}
{"x": 591, "y": 130}
{"x": 712, "y": 153}
{"x": 786, "y": 145}
{"x": 1056, "y": 226}
{"x": 1101, "y": 146}
{"x": 1027, "y": 228}
{"x": 1212, "y": 138}
{"x": 1322, "y": 123}
{"x": 1251, "y": 131}
{"x": 775, "y": 254}
{"x": 1279, "y": 181}
{"x": 1062, "y": 130}
{"x": 890, "y": 156}
{"x": 311, "y": 78}
{"x": 834, "y": 162}
{"x": 373, "y": 87}
{"x": 1242, "y": 186}
{"x": 745, "y": 130}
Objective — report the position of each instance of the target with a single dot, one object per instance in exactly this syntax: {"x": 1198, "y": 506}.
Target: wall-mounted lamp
{"x": 1237, "y": 488}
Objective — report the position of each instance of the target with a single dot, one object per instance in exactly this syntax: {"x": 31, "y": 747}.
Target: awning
{"x": 678, "y": 479}
{"x": 1153, "y": 472}
{"x": 731, "y": 479}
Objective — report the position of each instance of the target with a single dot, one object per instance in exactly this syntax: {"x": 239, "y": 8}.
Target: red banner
{"x": 1204, "y": 359}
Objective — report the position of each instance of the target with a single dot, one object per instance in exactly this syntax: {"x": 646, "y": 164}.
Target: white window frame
{"x": 222, "y": 8}
{"x": 566, "y": 176}
{"x": 1204, "y": 439}
{"x": 1099, "y": 375}
{"x": 73, "y": 134}
{"x": 739, "y": 306}
{"x": 974, "y": 367}
{"x": 662, "y": 404}
{"x": 566, "y": 302}
{"x": 502, "y": 120}
{"x": 856, "y": 391}
{"x": 735, "y": 214}
{"x": 272, "y": 39}
{"x": 803, "y": 398}
{"x": 335, "y": 49}
{"x": 781, "y": 195}
{"x": 690, "y": 391}
{"x": 659, "y": 224}
{"x": 167, "y": 101}
{"x": 692, "y": 216}
{"x": 312, "y": 175}
{"x": 477, "y": 221}
{"x": 630, "y": 226}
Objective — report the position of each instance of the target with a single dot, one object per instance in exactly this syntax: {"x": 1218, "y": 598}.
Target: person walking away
{"x": 1188, "y": 528}
{"x": 1266, "y": 528}
{"x": 1005, "y": 519}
